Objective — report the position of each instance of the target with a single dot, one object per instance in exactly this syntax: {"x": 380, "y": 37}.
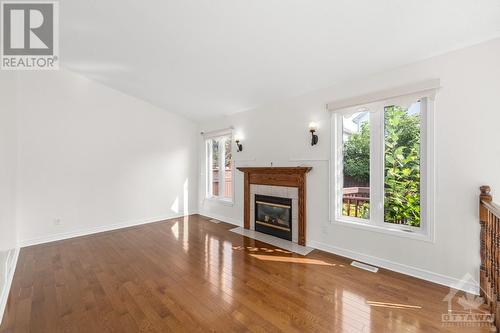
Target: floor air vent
{"x": 366, "y": 267}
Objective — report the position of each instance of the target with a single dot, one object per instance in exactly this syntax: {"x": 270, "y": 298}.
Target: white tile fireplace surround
{"x": 277, "y": 191}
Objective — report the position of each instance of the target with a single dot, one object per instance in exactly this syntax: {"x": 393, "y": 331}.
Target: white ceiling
{"x": 205, "y": 58}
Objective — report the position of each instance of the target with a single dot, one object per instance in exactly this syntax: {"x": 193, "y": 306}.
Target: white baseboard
{"x": 94, "y": 230}
{"x": 11, "y": 264}
{"x": 226, "y": 219}
{"x": 467, "y": 286}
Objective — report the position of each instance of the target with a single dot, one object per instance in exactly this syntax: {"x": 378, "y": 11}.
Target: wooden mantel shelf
{"x": 274, "y": 170}
{"x": 277, "y": 176}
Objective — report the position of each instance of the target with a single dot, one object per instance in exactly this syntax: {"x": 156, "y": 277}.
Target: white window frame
{"x": 427, "y": 187}
{"x": 219, "y": 136}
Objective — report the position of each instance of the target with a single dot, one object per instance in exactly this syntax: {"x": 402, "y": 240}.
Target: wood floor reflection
{"x": 192, "y": 275}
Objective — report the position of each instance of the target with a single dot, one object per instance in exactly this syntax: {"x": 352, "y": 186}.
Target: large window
{"x": 382, "y": 173}
{"x": 219, "y": 167}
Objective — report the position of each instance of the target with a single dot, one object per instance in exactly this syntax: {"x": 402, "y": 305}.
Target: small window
{"x": 382, "y": 155}
{"x": 228, "y": 169}
{"x": 220, "y": 168}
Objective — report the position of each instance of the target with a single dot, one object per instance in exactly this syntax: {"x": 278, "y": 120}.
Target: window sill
{"x": 226, "y": 202}
{"x": 425, "y": 237}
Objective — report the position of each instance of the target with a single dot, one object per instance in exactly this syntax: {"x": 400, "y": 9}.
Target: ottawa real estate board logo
{"x": 29, "y": 35}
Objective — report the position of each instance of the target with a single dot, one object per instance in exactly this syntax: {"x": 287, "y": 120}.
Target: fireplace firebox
{"x": 273, "y": 216}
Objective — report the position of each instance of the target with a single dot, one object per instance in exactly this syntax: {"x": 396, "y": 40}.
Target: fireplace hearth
{"x": 273, "y": 216}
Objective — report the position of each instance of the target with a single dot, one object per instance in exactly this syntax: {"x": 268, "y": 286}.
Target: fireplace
{"x": 273, "y": 216}
{"x": 284, "y": 182}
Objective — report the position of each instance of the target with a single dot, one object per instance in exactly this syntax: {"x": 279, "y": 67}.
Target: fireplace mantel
{"x": 274, "y": 170}
{"x": 277, "y": 176}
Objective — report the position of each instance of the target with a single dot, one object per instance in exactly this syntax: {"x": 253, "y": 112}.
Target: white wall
{"x": 468, "y": 155}
{"x": 8, "y": 233}
{"x": 91, "y": 158}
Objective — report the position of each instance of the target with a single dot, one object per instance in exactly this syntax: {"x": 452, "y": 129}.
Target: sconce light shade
{"x": 314, "y": 137}
{"x": 238, "y": 137}
{"x": 239, "y": 146}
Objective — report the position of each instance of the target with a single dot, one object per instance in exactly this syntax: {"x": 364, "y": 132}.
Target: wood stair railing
{"x": 489, "y": 217}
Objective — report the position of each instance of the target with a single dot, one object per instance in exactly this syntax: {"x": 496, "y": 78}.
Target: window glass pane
{"x": 356, "y": 168}
{"x": 214, "y": 165}
{"x": 402, "y": 164}
{"x": 228, "y": 163}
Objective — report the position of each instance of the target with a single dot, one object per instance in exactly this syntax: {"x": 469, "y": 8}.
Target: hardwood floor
{"x": 192, "y": 275}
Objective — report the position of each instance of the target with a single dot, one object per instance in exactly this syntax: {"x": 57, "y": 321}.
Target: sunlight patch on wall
{"x": 175, "y": 206}
{"x": 186, "y": 197}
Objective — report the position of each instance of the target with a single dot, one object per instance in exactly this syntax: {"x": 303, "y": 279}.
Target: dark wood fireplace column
{"x": 279, "y": 176}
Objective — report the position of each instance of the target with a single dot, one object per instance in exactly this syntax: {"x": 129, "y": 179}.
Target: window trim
{"x": 376, "y": 223}
{"x": 218, "y": 135}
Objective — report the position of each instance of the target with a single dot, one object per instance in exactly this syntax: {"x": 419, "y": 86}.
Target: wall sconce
{"x": 239, "y": 146}
{"x": 314, "y": 138}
